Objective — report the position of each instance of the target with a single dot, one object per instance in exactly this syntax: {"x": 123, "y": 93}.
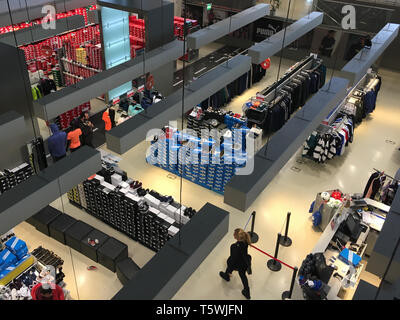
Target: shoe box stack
{"x": 136, "y": 34}
{"x": 78, "y": 69}
{"x": 81, "y": 55}
{"x": 10, "y": 178}
{"x": 232, "y": 119}
{"x": 37, "y": 60}
{"x": 57, "y": 77}
{"x": 61, "y": 15}
{"x": 178, "y": 26}
{"x": 195, "y": 120}
{"x": 214, "y": 173}
{"x": 144, "y": 215}
{"x": 94, "y": 54}
{"x": 74, "y": 196}
{"x": 63, "y": 121}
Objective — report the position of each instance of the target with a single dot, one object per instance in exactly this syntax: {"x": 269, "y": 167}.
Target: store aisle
{"x": 290, "y": 191}
{"x": 294, "y": 191}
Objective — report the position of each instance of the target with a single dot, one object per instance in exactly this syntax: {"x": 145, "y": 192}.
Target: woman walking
{"x": 239, "y": 260}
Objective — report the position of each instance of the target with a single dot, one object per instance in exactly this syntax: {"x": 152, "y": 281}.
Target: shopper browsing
{"x": 239, "y": 260}
{"x": 86, "y": 127}
{"x": 57, "y": 143}
{"x": 74, "y": 137}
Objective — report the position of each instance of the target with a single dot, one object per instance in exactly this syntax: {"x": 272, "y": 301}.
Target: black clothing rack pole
{"x": 386, "y": 175}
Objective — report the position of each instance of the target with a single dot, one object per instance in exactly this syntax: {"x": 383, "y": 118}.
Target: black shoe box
{"x": 59, "y": 225}
{"x": 43, "y": 218}
{"x": 111, "y": 252}
{"x": 75, "y": 234}
{"x": 91, "y": 251}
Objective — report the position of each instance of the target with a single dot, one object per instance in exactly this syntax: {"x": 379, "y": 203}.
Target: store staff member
{"x": 74, "y": 137}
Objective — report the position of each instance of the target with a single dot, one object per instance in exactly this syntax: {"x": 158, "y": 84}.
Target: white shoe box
{"x": 133, "y": 197}
{"x": 154, "y": 211}
{"x": 100, "y": 178}
{"x": 116, "y": 179}
{"x": 152, "y": 201}
{"x": 124, "y": 185}
{"x": 171, "y": 212}
{"x": 108, "y": 185}
{"x": 173, "y": 230}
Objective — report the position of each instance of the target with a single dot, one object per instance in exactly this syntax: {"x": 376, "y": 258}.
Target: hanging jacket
{"x": 57, "y": 142}
{"x": 107, "y": 120}
{"x": 368, "y": 187}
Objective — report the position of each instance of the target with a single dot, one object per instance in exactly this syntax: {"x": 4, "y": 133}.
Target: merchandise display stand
{"x": 332, "y": 136}
{"x": 143, "y": 215}
{"x": 298, "y": 84}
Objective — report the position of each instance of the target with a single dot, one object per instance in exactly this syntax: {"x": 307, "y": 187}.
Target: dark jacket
{"x": 57, "y": 143}
{"x": 237, "y": 259}
{"x": 87, "y": 132}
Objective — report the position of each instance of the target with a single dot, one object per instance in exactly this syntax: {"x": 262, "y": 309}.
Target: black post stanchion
{"x": 254, "y": 236}
{"x": 288, "y": 294}
{"x": 286, "y": 241}
{"x": 272, "y": 264}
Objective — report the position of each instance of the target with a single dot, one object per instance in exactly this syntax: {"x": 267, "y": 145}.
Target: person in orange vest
{"x": 107, "y": 120}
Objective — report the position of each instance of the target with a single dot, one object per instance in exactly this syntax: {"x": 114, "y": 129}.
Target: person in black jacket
{"x": 86, "y": 127}
{"x": 239, "y": 260}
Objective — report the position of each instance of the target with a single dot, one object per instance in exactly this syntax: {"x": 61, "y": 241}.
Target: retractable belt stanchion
{"x": 253, "y": 236}
{"x": 288, "y": 294}
{"x": 278, "y": 265}
{"x": 273, "y": 264}
{"x": 286, "y": 241}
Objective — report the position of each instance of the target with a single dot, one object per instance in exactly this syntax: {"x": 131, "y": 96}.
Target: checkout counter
{"x": 349, "y": 236}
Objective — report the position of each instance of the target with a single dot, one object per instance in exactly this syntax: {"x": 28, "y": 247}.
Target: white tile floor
{"x": 289, "y": 191}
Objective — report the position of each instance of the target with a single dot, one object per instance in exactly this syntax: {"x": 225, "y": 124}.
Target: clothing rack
{"x": 332, "y": 116}
{"x": 308, "y": 62}
{"x": 386, "y": 175}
